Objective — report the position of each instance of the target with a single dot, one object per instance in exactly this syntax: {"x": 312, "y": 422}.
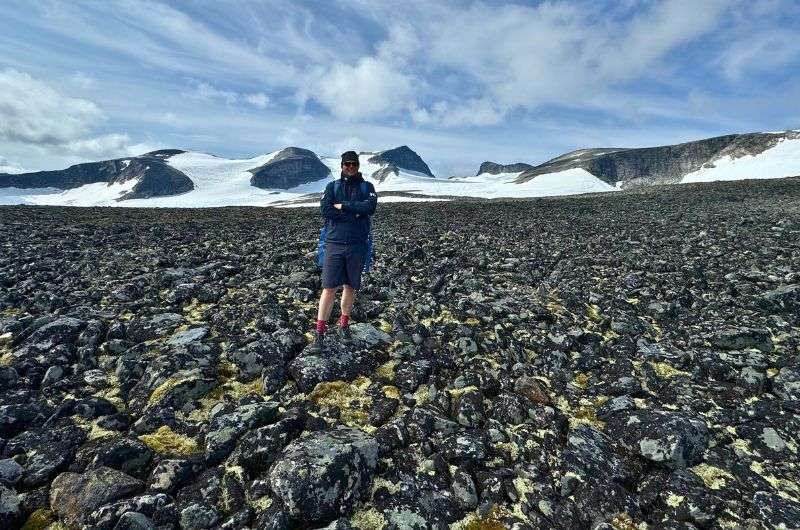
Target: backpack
{"x": 337, "y": 184}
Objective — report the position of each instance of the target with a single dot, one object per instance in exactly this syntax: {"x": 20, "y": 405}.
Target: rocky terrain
{"x": 618, "y": 361}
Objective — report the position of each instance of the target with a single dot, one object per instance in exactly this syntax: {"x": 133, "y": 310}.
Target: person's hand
{"x": 338, "y": 206}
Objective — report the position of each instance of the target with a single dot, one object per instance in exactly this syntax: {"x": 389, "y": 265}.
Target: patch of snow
{"x": 782, "y": 160}
{"x": 97, "y": 194}
{"x": 126, "y": 163}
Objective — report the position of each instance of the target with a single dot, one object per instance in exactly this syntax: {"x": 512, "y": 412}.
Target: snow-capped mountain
{"x": 295, "y": 177}
{"x": 731, "y": 157}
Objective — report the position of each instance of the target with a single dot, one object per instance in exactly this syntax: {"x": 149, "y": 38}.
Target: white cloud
{"x": 81, "y": 80}
{"x": 37, "y": 117}
{"x": 259, "y": 100}
{"x": 206, "y": 92}
{"x": 760, "y": 52}
{"x": 7, "y": 166}
{"x": 105, "y": 146}
{"x": 371, "y": 88}
{"x": 32, "y": 112}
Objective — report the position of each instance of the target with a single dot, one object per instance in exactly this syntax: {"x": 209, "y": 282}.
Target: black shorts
{"x": 343, "y": 264}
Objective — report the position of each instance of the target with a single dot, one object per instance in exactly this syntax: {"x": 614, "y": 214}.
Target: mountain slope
{"x": 629, "y": 168}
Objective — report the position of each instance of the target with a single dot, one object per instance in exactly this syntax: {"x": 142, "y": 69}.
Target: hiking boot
{"x": 344, "y": 335}
{"x": 317, "y": 345}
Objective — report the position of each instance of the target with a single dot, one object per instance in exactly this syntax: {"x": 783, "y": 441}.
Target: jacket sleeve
{"x": 365, "y": 207}
{"x": 326, "y": 205}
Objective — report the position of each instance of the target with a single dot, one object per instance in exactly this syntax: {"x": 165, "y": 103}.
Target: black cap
{"x": 350, "y": 156}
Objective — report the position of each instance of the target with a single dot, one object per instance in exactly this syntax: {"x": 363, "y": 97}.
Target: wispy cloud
{"x": 521, "y": 80}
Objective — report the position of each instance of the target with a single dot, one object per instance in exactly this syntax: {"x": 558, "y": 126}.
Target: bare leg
{"x": 348, "y": 295}
{"x": 326, "y": 303}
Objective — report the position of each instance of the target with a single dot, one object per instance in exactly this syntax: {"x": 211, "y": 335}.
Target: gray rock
{"x": 226, "y": 428}
{"x": 787, "y": 383}
{"x": 183, "y": 338}
{"x": 9, "y": 508}
{"x": 196, "y": 516}
{"x": 368, "y": 336}
{"x": 169, "y": 475}
{"x": 52, "y": 375}
{"x": 670, "y": 438}
{"x": 134, "y": 521}
{"x": 464, "y": 491}
{"x": 776, "y": 511}
{"x": 740, "y": 338}
{"x": 10, "y": 472}
{"x": 321, "y": 476}
{"x": 73, "y": 496}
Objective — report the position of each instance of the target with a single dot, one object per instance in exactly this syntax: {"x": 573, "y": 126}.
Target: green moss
{"x": 349, "y": 398}
{"x": 39, "y": 520}
{"x": 166, "y": 441}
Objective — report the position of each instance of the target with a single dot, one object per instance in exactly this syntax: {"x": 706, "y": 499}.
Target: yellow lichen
{"x": 666, "y": 370}
{"x": 456, "y": 393}
{"x": 674, "y": 500}
{"x": 472, "y": 321}
{"x": 386, "y": 370}
{"x": 166, "y": 441}
{"x": 39, "y": 519}
{"x": 262, "y": 503}
{"x": 368, "y": 519}
{"x": 226, "y": 388}
{"x": 785, "y": 488}
{"x": 193, "y": 312}
{"x": 385, "y": 326}
{"x": 161, "y": 390}
{"x": 772, "y": 372}
{"x": 581, "y": 380}
{"x": 391, "y": 392}
{"x": 6, "y": 358}
{"x": 714, "y": 477}
{"x": 510, "y": 448}
{"x": 623, "y": 521}
{"x": 350, "y": 398}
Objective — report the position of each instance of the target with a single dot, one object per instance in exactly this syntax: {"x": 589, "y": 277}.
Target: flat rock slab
{"x": 321, "y": 476}
{"x": 669, "y": 438}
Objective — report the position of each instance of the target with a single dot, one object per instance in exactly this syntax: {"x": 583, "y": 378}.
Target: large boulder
{"x": 289, "y": 168}
{"x": 673, "y": 439}
{"x": 321, "y": 476}
{"x": 74, "y": 497}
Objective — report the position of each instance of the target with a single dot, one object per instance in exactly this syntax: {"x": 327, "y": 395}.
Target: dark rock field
{"x": 619, "y": 361}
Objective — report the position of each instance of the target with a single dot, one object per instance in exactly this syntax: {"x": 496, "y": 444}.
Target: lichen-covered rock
{"x": 669, "y": 438}
{"x": 74, "y": 496}
{"x": 226, "y": 427}
{"x": 9, "y": 508}
{"x": 322, "y": 475}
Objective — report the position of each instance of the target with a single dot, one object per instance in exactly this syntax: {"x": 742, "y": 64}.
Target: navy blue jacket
{"x": 350, "y": 225}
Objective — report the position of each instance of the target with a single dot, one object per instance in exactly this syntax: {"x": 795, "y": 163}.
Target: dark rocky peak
{"x": 289, "y": 168}
{"x": 155, "y": 177}
{"x": 404, "y": 158}
{"x": 658, "y": 165}
{"x": 165, "y": 153}
{"x": 495, "y": 169}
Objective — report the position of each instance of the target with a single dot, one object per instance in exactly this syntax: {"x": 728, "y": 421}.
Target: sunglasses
{"x": 353, "y": 164}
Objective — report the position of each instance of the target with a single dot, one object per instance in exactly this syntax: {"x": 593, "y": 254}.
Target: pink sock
{"x": 321, "y": 326}
{"x": 344, "y": 321}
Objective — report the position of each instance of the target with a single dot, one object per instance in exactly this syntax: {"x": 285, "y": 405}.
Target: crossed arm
{"x": 348, "y": 210}
{"x": 366, "y": 207}
{"x": 329, "y": 211}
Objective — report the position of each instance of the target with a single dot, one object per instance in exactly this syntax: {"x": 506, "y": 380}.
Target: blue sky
{"x": 460, "y": 82}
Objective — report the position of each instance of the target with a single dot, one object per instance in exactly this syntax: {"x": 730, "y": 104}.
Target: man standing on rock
{"x": 348, "y": 217}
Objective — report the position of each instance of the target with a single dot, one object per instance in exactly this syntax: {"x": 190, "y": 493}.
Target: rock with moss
{"x": 75, "y": 496}
{"x": 323, "y": 475}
